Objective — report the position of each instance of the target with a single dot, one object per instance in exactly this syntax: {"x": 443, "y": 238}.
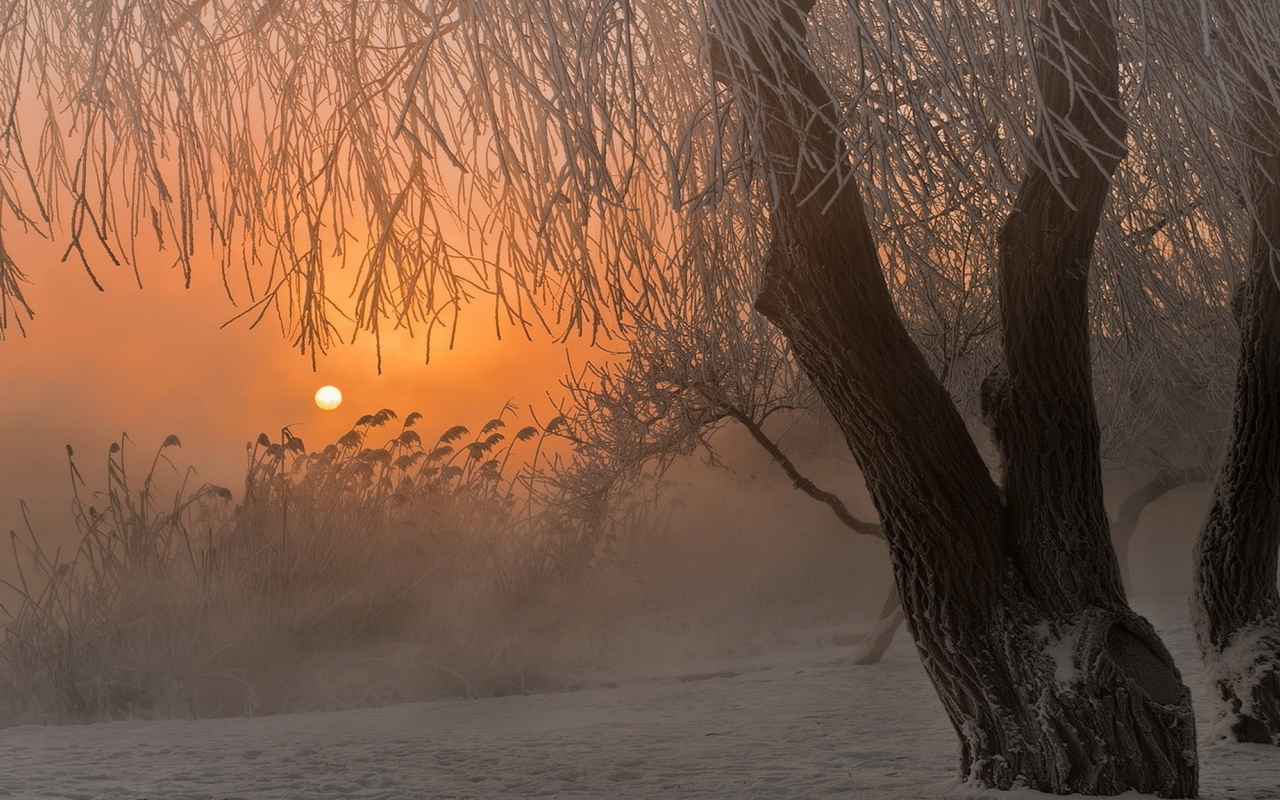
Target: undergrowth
{"x": 381, "y": 569}
{"x": 366, "y": 573}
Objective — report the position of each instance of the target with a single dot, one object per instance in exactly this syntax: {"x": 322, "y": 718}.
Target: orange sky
{"x": 152, "y": 362}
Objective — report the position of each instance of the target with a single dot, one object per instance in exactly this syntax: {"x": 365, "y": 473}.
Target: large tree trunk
{"x": 1236, "y": 605}
{"x": 1015, "y": 601}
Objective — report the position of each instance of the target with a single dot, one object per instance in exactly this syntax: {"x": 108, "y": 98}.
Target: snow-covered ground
{"x": 792, "y": 723}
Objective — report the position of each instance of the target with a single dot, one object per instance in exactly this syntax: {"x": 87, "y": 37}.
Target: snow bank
{"x": 804, "y": 722}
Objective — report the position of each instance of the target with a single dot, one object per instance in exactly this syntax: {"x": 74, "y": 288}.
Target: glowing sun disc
{"x": 328, "y": 397}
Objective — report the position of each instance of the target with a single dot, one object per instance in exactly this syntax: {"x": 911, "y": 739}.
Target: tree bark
{"x": 1236, "y": 605}
{"x": 1014, "y": 598}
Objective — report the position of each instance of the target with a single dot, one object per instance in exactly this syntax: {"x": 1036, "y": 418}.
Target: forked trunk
{"x": 1236, "y": 605}
{"x": 1014, "y": 600}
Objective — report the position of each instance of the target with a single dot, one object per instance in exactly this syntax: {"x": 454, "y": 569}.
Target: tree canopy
{"x": 577, "y": 162}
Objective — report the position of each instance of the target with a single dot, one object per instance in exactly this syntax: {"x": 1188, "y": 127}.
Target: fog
{"x": 1161, "y": 551}
{"x": 165, "y": 359}
{"x": 231, "y": 609}
{"x": 729, "y": 560}
{"x": 736, "y": 561}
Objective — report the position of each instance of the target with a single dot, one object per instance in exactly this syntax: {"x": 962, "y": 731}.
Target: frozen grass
{"x": 381, "y": 569}
{"x": 350, "y": 576}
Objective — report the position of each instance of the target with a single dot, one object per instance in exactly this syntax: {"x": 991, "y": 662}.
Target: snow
{"x": 1060, "y": 651}
{"x": 790, "y": 723}
{"x": 1243, "y": 664}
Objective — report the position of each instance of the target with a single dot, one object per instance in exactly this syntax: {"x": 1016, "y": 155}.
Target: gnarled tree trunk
{"x": 1014, "y": 598}
{"x": 1236, "y": 605}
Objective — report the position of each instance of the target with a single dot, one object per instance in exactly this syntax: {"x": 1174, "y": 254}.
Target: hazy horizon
{"x": 155, "y": 361}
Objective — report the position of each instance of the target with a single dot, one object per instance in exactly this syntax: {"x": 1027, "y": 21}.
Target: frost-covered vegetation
{"x": 385, "y": 567}
{"x": 1055, "y": 173}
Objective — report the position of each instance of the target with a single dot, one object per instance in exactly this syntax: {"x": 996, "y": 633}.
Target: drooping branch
{"x": 1137, "y": 501}
{"x": 873, "y": 648}
{"x": 801, "y": 482}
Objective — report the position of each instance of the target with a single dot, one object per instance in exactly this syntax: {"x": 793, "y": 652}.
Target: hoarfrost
{"x": 1243, "y": 664}
{"x": 1060, "y": 649}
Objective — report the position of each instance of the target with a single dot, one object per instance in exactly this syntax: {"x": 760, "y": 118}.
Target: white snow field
{"x": 792, "y": 723}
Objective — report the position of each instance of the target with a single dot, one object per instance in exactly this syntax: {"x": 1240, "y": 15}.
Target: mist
{"x": 783, "y": 356}
{"x": 164, "y": 359}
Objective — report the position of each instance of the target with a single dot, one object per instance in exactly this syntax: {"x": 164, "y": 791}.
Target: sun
{"x": 328, "y": 397}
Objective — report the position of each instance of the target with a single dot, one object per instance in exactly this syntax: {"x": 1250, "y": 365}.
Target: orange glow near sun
{"x": 162, "y": 362}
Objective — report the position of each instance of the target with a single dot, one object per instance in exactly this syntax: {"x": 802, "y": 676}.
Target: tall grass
{"x": 382, "y": 568}
{"x": 368, "y": 572}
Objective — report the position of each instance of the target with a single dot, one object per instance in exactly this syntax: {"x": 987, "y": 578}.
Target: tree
{"x": 1236, "y": 605}
{"x": 993, "y": 583}
{"x": 562, "y": 156}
